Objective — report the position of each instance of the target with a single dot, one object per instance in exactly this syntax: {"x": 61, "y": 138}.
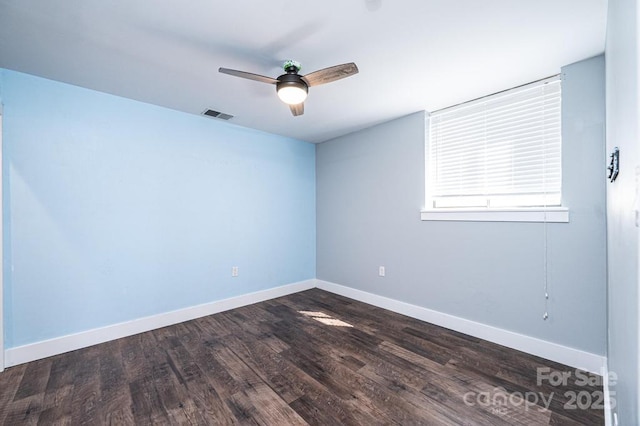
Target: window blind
{"x": 503, "y": 150}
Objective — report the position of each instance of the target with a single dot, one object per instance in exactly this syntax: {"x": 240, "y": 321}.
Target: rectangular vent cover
{"x": 217, "y": 114}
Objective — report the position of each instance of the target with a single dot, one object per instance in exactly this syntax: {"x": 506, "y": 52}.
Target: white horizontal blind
{"x": 503, "y": 150}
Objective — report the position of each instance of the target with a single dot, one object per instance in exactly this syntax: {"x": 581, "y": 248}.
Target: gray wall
{"x": 370, "y": 189}
{"x": 622, "y": 131}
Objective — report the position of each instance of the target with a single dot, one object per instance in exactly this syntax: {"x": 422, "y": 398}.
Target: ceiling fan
{"x": 292, "y": 87}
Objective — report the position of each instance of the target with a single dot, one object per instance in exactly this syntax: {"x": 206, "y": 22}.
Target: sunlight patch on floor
{"x": 325, "y": 319}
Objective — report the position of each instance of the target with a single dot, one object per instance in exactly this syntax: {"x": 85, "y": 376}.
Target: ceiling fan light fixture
{"x": 292, "y": 92}
{"x": 292, "y": 88}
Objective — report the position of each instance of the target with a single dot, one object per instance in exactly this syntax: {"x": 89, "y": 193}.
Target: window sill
{"x": 524, "y": 214}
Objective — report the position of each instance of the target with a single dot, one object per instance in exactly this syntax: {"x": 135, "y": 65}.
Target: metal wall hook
{"x": 614, "y": 164}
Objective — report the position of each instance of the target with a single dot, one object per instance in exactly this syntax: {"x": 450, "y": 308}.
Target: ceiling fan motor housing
{"x": 291, "y": 88}
{"x": 291, "y": 80}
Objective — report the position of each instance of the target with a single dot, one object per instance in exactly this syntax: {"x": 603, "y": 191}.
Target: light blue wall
{"x": 623, "y": 110}
{"x": 117, "y": 210}
{"x": 370, "y": 189}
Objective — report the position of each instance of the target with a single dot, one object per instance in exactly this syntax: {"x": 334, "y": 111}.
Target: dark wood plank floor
{"x": 271, "y": 364}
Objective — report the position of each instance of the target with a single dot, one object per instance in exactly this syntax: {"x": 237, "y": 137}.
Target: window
{"x": 499, "y": 152}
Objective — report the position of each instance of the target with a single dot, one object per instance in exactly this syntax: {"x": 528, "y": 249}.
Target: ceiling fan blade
{"x": 248, "y": 75}
{"x": 297, "y": 109}
{"x": 330, "y": 74}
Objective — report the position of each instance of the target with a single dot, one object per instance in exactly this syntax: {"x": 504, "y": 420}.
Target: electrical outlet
{"x": 381, "y": 271}
{"x": 234, "y": 271}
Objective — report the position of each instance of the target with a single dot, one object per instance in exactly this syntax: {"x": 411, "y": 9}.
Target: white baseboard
{"x": 542, "y": 348}
{"x": 58, "y": 345}
{"x": 552, "y": 351}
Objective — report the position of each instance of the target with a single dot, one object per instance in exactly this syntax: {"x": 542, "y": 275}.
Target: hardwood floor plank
{"x": 85, "y": 399}
{"x": 367, "y": 322}
{"x": 146, "y": 407}
{"x": 27, "y": 404}
{"x": 291, "y": 381}
{"x": 34, "y": 380}
{"x": 166, "y": 380}
{"x": 411, "y": 404}
{"x": 57, "y": 406}
{"x": 213, "y": 391}
{"x": 25, "y": 411}
{"x": 266, "y": 403}
{"x": 62, "y": 371}
{"x": 282, "y": 376}
{"x": 243, "y": 410}
{"x": 57, "y": 403}
{"x": 197, "y": 387}
{"x": 314, "y": 414}
{"x": 359, "y": 388}
{"x": 8, "y": 380}
{"x": 116, "y": 398}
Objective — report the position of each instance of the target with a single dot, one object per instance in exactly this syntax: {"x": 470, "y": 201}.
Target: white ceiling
{"x": 412, "y": 54}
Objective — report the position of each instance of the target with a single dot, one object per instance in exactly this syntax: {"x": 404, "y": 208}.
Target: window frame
{"x": 553, "y": 213}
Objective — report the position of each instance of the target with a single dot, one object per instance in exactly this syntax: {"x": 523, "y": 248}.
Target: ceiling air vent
{"x": 217, "y": 114}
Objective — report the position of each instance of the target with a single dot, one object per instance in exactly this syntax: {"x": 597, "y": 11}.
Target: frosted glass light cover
{"x": 292, "y": 95}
